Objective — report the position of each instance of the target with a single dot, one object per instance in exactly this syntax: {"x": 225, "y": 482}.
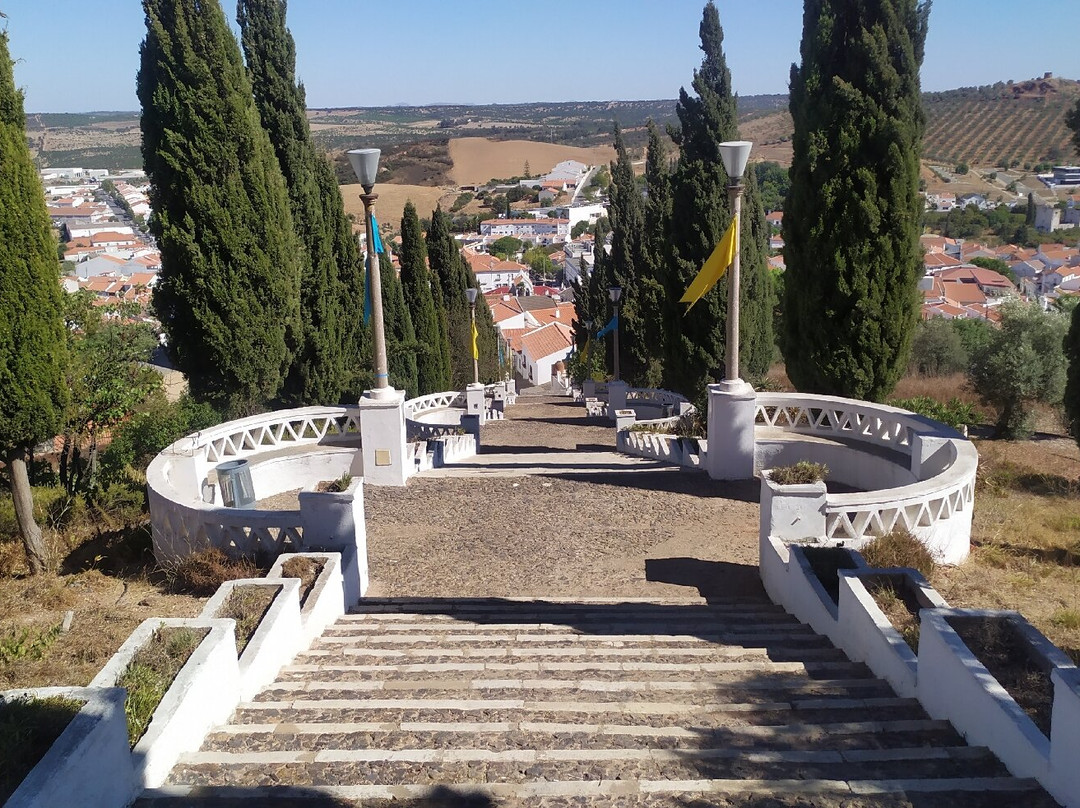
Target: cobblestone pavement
{"x": 642, "y": 531}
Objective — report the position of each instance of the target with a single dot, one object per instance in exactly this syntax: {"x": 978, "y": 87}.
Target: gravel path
{"x": 634, "y": 533}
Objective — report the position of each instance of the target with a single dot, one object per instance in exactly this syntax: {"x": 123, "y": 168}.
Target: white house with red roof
{"x": 541, "y": 348}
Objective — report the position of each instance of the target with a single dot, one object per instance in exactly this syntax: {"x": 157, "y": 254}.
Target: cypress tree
{"x": 700, "y": 213}
{"x": 331, "y": 287}
{"x": 439, "y": 234}
{"x": 853, "y": 212}
{"x": 228, "y": 297}
{"x": 398, "y": 329}
{"x": 1071, "y": 398}
{"x": 416, "y": 287}
{"x": 32, "y": 335}
{"x": 757, "y": 301}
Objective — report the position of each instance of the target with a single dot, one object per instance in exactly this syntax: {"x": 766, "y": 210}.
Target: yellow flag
{"x": 714, "y": 268}
{"x": 475, "y": 350}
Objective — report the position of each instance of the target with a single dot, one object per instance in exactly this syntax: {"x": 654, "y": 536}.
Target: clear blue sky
{"x": 82, "y": 55}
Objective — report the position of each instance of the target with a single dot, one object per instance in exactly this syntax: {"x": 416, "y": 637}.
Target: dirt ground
{"x": 391, "y": 202}
{"x": 477, "y": 159}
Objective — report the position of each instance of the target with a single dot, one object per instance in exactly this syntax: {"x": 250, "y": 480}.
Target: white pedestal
{"x": 732, "y": 407}
{"x": 334, "y": 522}
{"x": 474, "y": 401}
{"x": 616, "y": 397}
{"x": 382, "y": 433}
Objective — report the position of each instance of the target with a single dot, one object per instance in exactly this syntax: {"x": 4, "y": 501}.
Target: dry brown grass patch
{"x": 899, "y": 548}
{"x": 899, "y": 605}
{"x": 306, "y": 569}
{"x": 201, "y": 573}
{"x": 247, "y": 605}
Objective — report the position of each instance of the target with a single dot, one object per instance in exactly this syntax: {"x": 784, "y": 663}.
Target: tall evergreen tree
{"x": 416, "y": 286}
{"x": 331, "y": 288}
{"x": 439, "y": 234}
{"x": 398, "y": 328}
{"x": 228, "y": 298}
{"x": 700, "y": 213}
{"x": 757, "y": 342}
{"x": 32, "y": 338}
{"x": 852, "y": 214}
{"x": 455, "y": 276}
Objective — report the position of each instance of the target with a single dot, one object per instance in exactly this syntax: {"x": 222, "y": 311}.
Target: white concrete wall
{"x": 849, "y": 465}
{"x": 325, "y": 602}
{"x": 90, "y": 764}
{"x": 1064, "y": 779}
{"x": 278, "y": 637}
{"x": 204, "y": 694}
{"x": 336, "y": 522}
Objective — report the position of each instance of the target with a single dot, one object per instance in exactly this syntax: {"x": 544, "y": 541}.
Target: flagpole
{"x": 731, "y": 361}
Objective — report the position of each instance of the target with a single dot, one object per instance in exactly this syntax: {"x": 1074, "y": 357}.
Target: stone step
{"x": 695, "y": 626}
{"x": 542, "y": 735}
{"x": 520, "y": 766}
{"x": 532, "y": 655}
{"x": 958, "y": 792}
{"x": 564, "y": 639}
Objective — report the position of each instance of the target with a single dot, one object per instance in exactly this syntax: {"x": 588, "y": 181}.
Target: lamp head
{"x": 365, "y": 164}
{"x": 470, "y": 293}
{"x": 614, "y": 292}
{"x": 735, "y": 153}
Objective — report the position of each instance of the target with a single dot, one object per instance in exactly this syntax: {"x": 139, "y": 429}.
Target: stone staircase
{"x": 599, "y": 702}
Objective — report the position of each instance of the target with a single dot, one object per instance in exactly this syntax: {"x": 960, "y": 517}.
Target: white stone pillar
{"x": 616, "y": 400}
{"x": 382, "y": 433}
{"x": 474, "y": 401}
{"x": 732, "y": 409}
{"x": 791, "y": 512}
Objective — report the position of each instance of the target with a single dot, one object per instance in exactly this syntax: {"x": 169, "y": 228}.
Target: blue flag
{"x": 607, "y": 329}
{"x": 376, "y": 237}
{"x": 376, "y": 245}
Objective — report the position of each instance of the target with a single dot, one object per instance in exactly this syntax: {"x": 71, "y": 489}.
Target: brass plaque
{"x": 382, "y": 457}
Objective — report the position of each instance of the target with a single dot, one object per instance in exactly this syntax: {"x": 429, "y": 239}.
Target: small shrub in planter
{"x": 899, "y": 604}
{"x": 200, "y": 574}
{"x": 802, "y": 473}
{"x": 151, "y": 672}
{"x": 28, "y": 728}
{"x": 899, "y": 548}
{"x": 337, "y": 486}
{"x": 305, "y": 568}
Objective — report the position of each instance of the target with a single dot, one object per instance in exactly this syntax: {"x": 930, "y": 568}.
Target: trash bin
{"x": 234, "y": 480}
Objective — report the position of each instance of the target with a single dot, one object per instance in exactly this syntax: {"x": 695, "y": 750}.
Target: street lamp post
{"x": 615, "y": 293}
{"x": 365, "y": 164}
{"x": 734, "y": 153}
{"x": 470, "y": 293}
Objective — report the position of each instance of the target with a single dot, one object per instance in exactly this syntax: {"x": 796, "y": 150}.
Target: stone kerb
{"x": 204, "y": 694}
{"x": 866, "y": 634}
{"x": 277, "y": 639}
{"x": 955, "y": 685}
{"x": 90, "y": 764}
{"x": 325, "y": 602}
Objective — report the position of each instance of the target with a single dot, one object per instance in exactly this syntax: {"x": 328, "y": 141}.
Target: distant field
{"x": 392, "y": 199}
{"x": 477, "y": 159}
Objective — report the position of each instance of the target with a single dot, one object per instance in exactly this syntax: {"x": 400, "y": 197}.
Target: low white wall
{"x": 866, "y": 634}
{"x": 955, "y": 685}
{"x": 1064, "y": 779}
{"x": 849, "y": 465}
{"x": 90, "y": 764}
{"x": 325, "y": 602}
{"x": 277, "y": 639}
{"x": 280, "y": 474}
{"x": 204, "y": 694}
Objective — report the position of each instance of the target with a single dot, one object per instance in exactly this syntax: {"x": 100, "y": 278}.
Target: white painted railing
{"x": 433, "y": 401}
{"x": 936, "y": 505}
{"x": 656, "y": 396}
{"x": 185, "y": 507}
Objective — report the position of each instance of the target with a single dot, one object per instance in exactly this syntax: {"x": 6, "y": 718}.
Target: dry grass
{"x": 200, "y": 574}
{"x": 899, "y": 606}
{"x": 304, "y": 568}
{"x": 28, "y": 727}
{"x": 247, "y": 605}
{"x": 477, "y": 159}
{"x": 899, "y": 549}
{"x": 391, "y": 202}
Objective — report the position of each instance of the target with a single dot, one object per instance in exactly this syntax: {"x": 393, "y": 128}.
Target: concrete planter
{"x": 90, "y": 764}
{"x": 277, "y": 639}
{"x": 334, "y": 522}
{"x": 806, "y": 597}
{"x": 1064, "y": 779}
{"x": 867, "y": 635}
{"x": 325, "y": 602}
{"x": 204, "y": 694}
{"x": 792, "y": 512}
{"x": 955, "y": 685}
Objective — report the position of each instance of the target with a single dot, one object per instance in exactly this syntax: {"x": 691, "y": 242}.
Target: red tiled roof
{"x": 550, "y": 339}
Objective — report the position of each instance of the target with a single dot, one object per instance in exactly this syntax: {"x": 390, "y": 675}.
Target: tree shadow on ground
{"x": 125, "y": 553}
{"x": 439, "y": 796}
{"x": 1061, "y": 556}
{"x": 671, "y": 480}
{"x": 712, "y": 579}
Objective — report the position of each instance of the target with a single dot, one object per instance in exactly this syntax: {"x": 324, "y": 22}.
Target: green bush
{"x": 954, "y": 412}
{"x": 938, "y": 349}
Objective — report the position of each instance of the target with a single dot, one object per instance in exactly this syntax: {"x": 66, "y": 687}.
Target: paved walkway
{"x": 547, "y": 507}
